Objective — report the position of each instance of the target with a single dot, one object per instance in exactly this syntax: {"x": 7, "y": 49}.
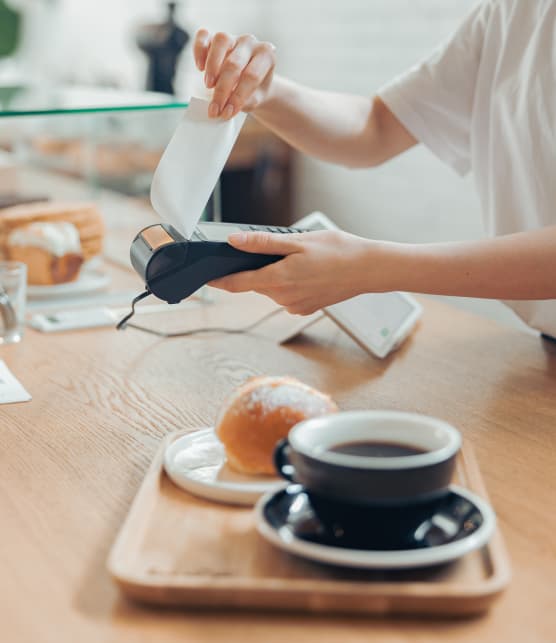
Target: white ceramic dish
{"x": 90, "y": 280}
{"x": 196, "y": 462}
{"x": 282, "y": 534}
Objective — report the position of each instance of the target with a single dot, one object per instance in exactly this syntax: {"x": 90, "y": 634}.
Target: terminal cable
{"x": 124, "y": 323}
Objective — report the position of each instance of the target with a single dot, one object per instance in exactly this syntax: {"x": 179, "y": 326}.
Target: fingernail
{"x": 238, "y": 237}
{"x": 209, "y": 80}
{"x": 214, "y": 110}
{"x": 228, "y": 111}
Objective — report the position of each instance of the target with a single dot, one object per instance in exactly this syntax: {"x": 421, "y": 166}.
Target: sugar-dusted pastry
{"x": 84, "y": 216}
{"x": 52, "y": 251}
{"x": 260, "y": 413}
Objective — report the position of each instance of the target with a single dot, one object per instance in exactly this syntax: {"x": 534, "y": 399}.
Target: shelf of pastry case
{"x": 18, "y": 100}
{"x": 109, "y": 139}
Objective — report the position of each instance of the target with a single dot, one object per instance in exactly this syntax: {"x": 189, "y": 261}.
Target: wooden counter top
{"x": 72, "y": 459}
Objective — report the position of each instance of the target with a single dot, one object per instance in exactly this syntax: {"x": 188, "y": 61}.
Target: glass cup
{"x": 13, "y": 290}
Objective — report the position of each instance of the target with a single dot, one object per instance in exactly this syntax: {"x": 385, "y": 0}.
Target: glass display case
{"x": 38, "y": 100}
{"x": 110, "y": 139}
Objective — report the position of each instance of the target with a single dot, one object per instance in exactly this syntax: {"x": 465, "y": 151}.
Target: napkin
{"x": 191, "y": 164}
{"x": 10, "y": 388}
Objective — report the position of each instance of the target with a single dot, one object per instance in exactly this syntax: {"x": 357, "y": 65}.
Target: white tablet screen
{"x": 375, "y": 318}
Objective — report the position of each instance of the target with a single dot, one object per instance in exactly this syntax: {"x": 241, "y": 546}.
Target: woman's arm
{"x": 351, "y": 130}
{"x": 322, "y": 268}
{"x": 514, "y": 266}
{"x": 355, "y": 131}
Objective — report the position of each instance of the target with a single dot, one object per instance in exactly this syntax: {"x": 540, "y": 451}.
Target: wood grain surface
{"x": 72, "y": 459}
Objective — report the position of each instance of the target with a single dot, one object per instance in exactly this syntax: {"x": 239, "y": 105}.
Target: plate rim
{"x": 377, "y": 559}
{"x": 230, "y": 493}
{"x": 99, "y": 278}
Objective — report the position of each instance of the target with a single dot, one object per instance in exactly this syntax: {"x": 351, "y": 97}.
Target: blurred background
{"x": 126, "y": 47}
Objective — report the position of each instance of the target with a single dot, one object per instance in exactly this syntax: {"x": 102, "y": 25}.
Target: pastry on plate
{"x": 260, "y": 413}
{"x": 84, "y": 216}
{"x": 52, "y": 252}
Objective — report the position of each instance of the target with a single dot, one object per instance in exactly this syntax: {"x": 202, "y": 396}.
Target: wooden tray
{"x": 175, "y": 549}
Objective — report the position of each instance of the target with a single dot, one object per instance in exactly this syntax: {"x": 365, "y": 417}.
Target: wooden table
{"x": 72, "y": 459}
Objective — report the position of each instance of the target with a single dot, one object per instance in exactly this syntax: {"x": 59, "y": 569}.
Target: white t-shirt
{"x": 485, "y": 101}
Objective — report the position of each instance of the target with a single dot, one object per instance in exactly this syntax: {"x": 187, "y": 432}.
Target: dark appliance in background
{"x": 163, "y": 44}
{"x": 256, "y": 184}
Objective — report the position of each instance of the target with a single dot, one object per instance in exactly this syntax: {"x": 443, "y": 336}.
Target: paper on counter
{"x": 191, "y": 164}
{"x": 10, "y": 388}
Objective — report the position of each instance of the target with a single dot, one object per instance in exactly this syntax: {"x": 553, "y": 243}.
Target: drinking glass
{"x": 13, "y": 288}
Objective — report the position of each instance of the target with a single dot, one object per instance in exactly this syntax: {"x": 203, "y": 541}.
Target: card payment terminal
{"x": 174, "y": 267}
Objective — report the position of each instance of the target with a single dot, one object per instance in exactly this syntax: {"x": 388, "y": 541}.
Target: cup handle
{"x": 281, "y": 460}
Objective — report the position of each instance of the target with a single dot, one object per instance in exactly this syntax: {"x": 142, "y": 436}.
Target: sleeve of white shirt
{"x": 434, "y": 99}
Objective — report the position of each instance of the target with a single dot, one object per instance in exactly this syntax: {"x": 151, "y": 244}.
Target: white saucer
{"x": 197, "y": 463}
{"x": 280, "y": 512}
{"x": 88, "y": 281}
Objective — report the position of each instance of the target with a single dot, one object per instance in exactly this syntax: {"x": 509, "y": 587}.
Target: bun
{"x": 52, "y": 252}
{"x": 83, "y": 216}
{"x": 260, "y": 413}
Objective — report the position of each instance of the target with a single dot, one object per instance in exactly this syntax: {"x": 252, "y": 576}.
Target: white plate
{"x": 283, "y": 536}
{"x": 88, "y": 281}
{"x": 196, "y": 462}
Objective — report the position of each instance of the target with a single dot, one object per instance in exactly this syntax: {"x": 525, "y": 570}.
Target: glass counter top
{"x": 29, "y": 100}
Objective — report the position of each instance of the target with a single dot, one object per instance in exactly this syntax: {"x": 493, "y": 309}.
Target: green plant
{"x": 10, "y": 22}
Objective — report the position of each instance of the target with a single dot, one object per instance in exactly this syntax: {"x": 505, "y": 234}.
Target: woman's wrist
{"x": 387, "y": 266}
{"x": 431, "y": 268}
{"x": 272, "y": 98}
{"x": 517, "y": 266}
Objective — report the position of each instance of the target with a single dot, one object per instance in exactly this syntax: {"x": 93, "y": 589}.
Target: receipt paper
{"x": 191, "y": 164}
{"x": 10, "y": 389}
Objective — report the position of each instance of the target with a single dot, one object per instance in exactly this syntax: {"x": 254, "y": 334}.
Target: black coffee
{"x": 376, "y": 449}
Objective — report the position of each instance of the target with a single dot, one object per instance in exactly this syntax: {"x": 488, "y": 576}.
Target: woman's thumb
{"x": 266, "y": 243}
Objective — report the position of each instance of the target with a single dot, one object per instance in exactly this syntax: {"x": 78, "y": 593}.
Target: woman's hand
{"x": 240, "y": 69}
{"x": 318, "y": 269}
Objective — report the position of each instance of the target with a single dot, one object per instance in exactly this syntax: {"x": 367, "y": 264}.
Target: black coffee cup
{"x": 312, "y": 456}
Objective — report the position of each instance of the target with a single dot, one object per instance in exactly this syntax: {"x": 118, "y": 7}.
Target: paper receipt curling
{"x": 191, "y": 164}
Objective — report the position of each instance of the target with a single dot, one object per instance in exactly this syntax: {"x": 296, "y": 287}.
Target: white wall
{"x": 356, "y": 46}
{"x": 93, "y": 40}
